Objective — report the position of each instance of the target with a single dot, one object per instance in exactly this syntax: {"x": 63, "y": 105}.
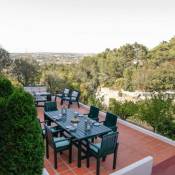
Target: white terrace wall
{"x": 122, "y": 95}
{"x": 142, "y": 167}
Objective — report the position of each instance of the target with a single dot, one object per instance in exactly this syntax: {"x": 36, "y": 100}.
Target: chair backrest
{"x": 75, "y": 95}
{"x": 108, "y": 144}
{"x": 111, "y": 121}
{"x": 49, "y": 136}
{"x": 35, "y": 89}
{"x": 66, "y": 92}
{"x": 50, "y": 106}
{"x": 93, "y": 113}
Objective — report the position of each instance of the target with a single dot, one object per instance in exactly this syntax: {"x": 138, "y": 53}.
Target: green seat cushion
{"x": 44, "y": 131}
{"x": 95, "y": 148}
{"x": 53, "y": 130}
{"x": 61, "y": 143}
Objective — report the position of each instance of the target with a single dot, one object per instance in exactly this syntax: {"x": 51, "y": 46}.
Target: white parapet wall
{"x": 141, "y": 167}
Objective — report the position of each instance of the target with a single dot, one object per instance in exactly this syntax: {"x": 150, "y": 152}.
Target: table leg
{"x": 79, "y": 154}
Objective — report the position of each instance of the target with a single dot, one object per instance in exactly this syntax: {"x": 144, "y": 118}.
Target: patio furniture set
{"x": 82, "y": 131}
{"x": 41, "y": 95}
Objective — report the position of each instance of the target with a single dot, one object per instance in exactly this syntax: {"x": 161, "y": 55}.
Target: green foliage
{"x": 165, "y": 51}
{"x": 5, "y": 60}
{"x": 27, "y": 71}
{"x": 158, "y": 113}
{"x": 98, "y": 102}
{"x": 114, "y": 106}
{"x": 124, "y": 110}
{"x": 21, "y": 142}
{"x": 6, "y": 87}
{"x": 162, "y": 78}
{"x": 54, "y": 82}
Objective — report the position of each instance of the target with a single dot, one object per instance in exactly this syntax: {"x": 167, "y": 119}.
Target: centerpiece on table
{"x": 75, "y": 119}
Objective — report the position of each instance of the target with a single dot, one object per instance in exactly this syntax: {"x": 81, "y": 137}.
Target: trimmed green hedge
{"x": 21, "y": 142}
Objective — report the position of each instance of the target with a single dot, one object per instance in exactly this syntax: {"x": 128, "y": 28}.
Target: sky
{"x": 84, "y": 26}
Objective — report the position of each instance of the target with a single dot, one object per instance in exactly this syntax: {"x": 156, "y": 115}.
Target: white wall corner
{"x": 141, "y": 167}
{"x": 45, "y": 172}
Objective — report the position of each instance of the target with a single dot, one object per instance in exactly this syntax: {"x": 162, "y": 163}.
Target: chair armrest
{"x": 45, "y": 121}
{"x": 42, "y": 121}
{"x": 101, "y": 121}
{"x": 66, "y": 139}
{"x": 94, "y": 146}
{"x": 57, "y": 130}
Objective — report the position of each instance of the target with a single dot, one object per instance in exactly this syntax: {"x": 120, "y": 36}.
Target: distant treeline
{"x": 130, "y": 67}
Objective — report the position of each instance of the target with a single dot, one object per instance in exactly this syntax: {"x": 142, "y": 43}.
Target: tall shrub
{"x": 158, "y": 113}
{"x": 6, "y": 87}
{"x": 124, "y": 109}
{"x": 21, "y": 143}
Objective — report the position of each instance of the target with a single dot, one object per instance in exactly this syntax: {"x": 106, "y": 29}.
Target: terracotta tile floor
{"x": 133, "y": 146}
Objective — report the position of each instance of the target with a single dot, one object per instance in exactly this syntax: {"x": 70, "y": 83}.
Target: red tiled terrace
{"x": 133, "y": 146}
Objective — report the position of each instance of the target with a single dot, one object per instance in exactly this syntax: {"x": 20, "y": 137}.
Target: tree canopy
{"x": 5, "y": 60}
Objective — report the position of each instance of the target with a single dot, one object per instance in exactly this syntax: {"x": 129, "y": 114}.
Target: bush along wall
{"x": 158, "y": 112}
{"x": 21, "y": 143}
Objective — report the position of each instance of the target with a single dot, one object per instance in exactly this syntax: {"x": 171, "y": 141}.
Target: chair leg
{"x": 49, "y": 123}
{"x": 55, "y": 159}
{"x": 69, "y": 105}
{"x": 115, "y": 157}
{"x": 88, "y": 161}
{"x": 88, "y": 157}
{"x": 78, "y": 104}
{"x": 70, "y": 153}
{"x": 61, "y": 102}
{"x": 92, "y": 140}
{"x": 98, "y": 167}
{"x": 104, "y": 158}
{"x": 47, "y": 149}
{"x": 79, "y": 154}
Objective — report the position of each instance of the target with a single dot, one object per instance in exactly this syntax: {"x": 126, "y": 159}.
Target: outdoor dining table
{"x": 80, "y": 134}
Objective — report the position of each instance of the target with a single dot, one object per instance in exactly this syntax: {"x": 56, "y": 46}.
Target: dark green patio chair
{"x": 73, "y": 97}
{"x": 111, "y": 121}
{"x": 58, "y": 144}
{"x": 55, "y": 129}
{"x": 64, "y": 93}
{"x": 93, "y": 113}
{"x": 109, "y": 145}
{"x": 49, "y": 106}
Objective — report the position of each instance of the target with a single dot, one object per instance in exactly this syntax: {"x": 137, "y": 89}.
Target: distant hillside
{"x": 47, "y": 57}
